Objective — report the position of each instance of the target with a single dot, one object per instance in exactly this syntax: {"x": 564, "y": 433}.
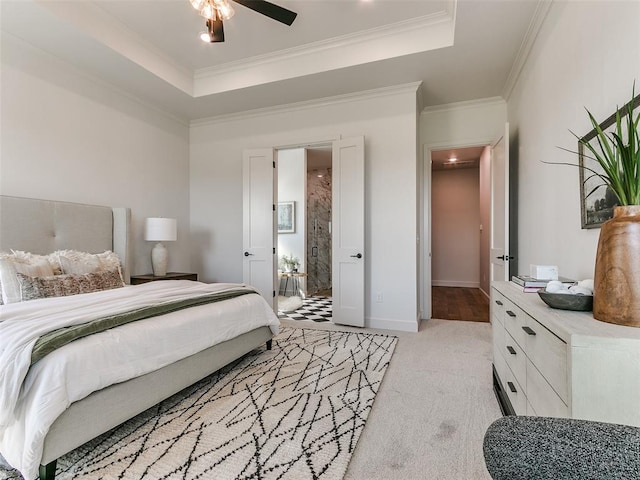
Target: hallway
{"x": 458, "y": 303}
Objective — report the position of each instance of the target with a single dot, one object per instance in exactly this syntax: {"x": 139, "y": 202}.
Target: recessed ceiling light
{"x": 453, "y": 159}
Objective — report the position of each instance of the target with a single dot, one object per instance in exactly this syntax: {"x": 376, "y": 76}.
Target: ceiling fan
{"x": 215, "y": 11}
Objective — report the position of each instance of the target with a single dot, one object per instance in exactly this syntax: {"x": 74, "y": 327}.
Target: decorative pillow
{"x": 73, "y": 261}
{"x": 68, "y": 284}
{"x": 25, "y": 263}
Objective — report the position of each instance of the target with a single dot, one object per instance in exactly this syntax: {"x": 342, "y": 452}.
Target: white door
{"x": 258, "y": 210}
{"x": 348, "y": 231}
{"x": 500, "y": 208}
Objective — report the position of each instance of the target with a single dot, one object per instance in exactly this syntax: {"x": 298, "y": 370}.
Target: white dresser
{"x": 557, "y": 363}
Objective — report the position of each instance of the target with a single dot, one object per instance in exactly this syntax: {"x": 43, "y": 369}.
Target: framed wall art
{"x": 286, "y": 217}
{"x": 596, "y": 199}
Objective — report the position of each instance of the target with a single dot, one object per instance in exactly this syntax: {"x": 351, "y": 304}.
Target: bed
{"x": 41, "y": 227}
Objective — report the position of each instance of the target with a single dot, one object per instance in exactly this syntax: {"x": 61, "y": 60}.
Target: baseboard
{"x": 454, "y": 283}
{"x": 390, "y": 324}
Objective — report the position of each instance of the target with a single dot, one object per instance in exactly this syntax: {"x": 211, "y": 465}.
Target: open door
{"x": 258, "y": 210}
{"x": 499, "y": 241}
{"x": 348, "y": 232}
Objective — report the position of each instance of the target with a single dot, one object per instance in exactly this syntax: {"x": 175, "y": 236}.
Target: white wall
{"x": 455, "y": 234}
{"x": 292, "y": 180}
{"x": 586, "y": 55}
{"x": 68, "y": 137}
{"x": 388, "y": 122}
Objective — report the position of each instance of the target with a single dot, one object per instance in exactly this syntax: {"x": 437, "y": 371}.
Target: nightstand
{"x": 139, "y": 279}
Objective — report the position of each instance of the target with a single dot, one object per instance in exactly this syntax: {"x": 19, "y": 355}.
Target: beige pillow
{"x": 32, "y": 288}
{"x": 73, "y": 261}
{"x": 25, "y": 263}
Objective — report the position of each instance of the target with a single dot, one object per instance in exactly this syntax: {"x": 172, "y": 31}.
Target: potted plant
{"x": 617, "y": 271}
{"x": 290, "y": 263}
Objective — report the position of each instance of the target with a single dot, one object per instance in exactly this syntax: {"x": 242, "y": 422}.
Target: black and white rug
{"x": 295, "y": 412}
{"x": 317, "y": 309}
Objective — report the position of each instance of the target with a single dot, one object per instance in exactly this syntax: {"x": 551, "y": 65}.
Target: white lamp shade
{"x": 161, "y": 230}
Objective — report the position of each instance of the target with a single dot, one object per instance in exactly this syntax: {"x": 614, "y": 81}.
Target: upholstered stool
{"x": 518, "y": 448}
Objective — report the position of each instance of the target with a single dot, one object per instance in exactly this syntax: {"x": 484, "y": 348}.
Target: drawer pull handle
{"x": 499, "y": 302}
{"x": 528, "y": 331}
{"x": 511, "y": 314}
{"x": 512, "y": 350}
{"x": 512, "y": 387}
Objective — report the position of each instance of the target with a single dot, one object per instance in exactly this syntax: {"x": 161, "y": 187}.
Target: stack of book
{"x": 530, "y": 284}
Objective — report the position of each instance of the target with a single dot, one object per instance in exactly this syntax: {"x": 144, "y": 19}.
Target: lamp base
{"x": 159, "y": 260}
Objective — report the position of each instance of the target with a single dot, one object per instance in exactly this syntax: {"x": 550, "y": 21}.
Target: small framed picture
{"x": 286, "y": 217}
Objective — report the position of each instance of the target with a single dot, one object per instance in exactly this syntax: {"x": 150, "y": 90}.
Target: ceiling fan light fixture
{"x": 198, "y": 4}
{"x": 225, "y": 11}
{"x": 208, "y": 11}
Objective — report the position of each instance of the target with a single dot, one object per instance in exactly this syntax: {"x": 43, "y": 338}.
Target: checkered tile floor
{"x": 317, "y": 309}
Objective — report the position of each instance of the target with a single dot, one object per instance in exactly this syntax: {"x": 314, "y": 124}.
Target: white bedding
{"x": 30, "y": 403}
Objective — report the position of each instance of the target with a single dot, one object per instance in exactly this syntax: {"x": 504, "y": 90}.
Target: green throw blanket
{"x": 58, "y": 338}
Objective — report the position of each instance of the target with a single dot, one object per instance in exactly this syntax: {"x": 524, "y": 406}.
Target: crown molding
{"x": 103, "y": 27}
{"x": 318, "y": 103}
{"x": 69, "y": 67}
{"x": 324, "y": 45}
{"x": 539, "y": 16}
{"x": 467, "y": 104}
{"x": 414, "y": 35}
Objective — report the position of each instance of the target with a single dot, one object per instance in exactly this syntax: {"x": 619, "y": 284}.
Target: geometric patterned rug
{"x": 318, "y": 309}
{"x": 294, "y": 412}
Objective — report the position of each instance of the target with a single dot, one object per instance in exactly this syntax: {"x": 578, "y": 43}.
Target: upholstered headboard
{"x": 44, "y": 226}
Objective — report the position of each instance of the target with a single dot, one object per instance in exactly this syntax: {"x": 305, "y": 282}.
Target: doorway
{"x": 260, "y": 233}
{"x": 460, "y": 199}
{"x": 304, "y": 251}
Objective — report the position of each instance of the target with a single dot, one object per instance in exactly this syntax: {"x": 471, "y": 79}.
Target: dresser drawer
{"x": 498, "y": 334}
{"x": 515, "y": 392}
{"x": 549, "y": 355}
{"x": 514, "y": 320}
{"x": 515, "y": 358}
{"x": 501, "y": 367}
{"x": 542, "y": 398}
{"x": 497, "y": 307}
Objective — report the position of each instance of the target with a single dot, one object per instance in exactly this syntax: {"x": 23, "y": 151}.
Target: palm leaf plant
{"x": 618, "y": 154}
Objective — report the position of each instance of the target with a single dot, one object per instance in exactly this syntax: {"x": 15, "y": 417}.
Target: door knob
{"x": 357, "y": 255}
{"x": 246, "y": 254}
{"x": 506, "y": 257}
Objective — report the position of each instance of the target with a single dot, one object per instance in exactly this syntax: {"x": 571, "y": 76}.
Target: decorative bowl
{"x": 563, "y": 301}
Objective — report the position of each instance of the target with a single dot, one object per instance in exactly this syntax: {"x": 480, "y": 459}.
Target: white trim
{"x": 390, "y": 324}
{"x": 481, "y": 102}
{"x": 100, "y": 25}
{"x": 429, "y": 32}
{"x": 64, "y": 64}
{"x": 323, "y": 45}
{"x": 454, "y": 283}
{"x": 529, "y": 40}
{"x": 317, "y": 103}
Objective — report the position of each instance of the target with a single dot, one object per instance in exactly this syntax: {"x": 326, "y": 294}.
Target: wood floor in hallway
{"x": 459, "y": 303}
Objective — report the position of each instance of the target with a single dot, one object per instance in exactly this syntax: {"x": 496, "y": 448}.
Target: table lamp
{"x": 160, "y": 230}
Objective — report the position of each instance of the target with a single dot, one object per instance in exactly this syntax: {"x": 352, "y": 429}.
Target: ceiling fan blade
{"x": 269, "y": 9}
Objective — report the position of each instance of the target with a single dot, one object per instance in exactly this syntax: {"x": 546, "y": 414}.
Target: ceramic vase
{"x": 616, "y": 297}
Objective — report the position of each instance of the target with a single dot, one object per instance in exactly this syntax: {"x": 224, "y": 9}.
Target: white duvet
{"x": 32, "y": 398}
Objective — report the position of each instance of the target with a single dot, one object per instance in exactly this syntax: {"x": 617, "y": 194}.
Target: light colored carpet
{"x": 433, "y": 408}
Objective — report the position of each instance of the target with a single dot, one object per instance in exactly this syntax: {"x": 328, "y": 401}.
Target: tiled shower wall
{"x": 318, "y": 230}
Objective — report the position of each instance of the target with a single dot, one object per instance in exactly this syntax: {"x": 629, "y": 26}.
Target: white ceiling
{"x": 459, "y": 50}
